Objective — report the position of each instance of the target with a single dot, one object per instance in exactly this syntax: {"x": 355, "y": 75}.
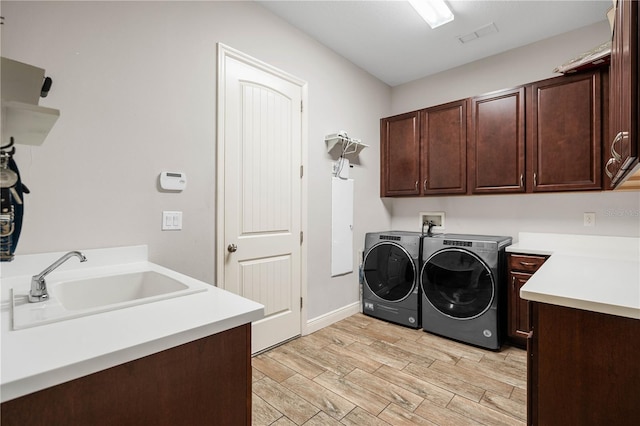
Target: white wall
{"x": 523, "y": 65}
{"x": 136, "y": 86}
{"x": 617, "y": 213}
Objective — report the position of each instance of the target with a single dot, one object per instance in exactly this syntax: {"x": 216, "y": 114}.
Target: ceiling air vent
{"x": 480, "y": 32}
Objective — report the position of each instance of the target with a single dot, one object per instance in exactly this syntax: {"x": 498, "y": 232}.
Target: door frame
{"x": 224, "y": 52}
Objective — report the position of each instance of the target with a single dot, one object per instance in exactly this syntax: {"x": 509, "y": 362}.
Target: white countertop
{"x": 594, "y": 273}
{"x": 43, "y": 356}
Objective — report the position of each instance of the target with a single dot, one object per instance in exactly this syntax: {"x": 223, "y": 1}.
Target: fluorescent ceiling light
{"x": 435, "y": 12}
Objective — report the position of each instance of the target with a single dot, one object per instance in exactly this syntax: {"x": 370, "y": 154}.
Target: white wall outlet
{"x": 589, "y": 219}
{"x": 436, "y": 217}
{"x": 171, "y": 221}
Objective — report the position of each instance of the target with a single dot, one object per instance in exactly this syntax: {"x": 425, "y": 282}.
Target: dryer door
{"x": 458, "y": 283}
{"x": 389, "y": 272}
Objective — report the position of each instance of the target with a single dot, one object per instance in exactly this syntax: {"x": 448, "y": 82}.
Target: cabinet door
{"x": 444, "y": 149}
{"x": 203, "y": 382}
{"x": 497, "y": 142}
{"x": 520, "y": 268}
{"x": 400, "y": 155}
{"x": 622, "y": 147}
{"x": 564, "y": 133}
{"x": 518, "y": 322}
{"x": 583, "y": 368}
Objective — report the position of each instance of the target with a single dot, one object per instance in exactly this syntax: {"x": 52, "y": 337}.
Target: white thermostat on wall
{"x": 173, "y": 181}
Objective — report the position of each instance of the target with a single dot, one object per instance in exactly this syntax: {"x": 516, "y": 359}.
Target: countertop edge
{"x": 583, "y": 258}
{"x": 523, "y": 250}
{"x": 74, "y": 371}
{"x": 585, "y": 305}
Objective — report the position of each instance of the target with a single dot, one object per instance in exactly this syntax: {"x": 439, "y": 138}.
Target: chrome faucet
{"x": 38, "y": 291}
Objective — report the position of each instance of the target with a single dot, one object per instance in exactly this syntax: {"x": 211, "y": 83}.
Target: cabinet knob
{"x": 424, "y": 185}
{"x": 535, "y": 179}
{"x": 521, "y": 180}
{"x": 416, "y": 185}
{"x": 232, "y": 248}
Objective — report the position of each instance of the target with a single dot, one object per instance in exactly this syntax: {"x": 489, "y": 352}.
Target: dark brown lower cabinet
{"x": 520, "y": 268}
{"x": 205, "y": 382}
{"x": 518, "y": 326}
{"x": 583, "y": 368}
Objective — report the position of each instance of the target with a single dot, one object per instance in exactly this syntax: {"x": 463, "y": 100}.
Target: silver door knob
{"x": 231, "y": 248}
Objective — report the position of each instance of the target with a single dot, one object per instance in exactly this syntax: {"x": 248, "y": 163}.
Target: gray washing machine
{"x": 463, "y": 283}
{"x": 390, "y": 268}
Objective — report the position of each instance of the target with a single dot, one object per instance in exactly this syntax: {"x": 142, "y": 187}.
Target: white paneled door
{"x": 260, "y": 192}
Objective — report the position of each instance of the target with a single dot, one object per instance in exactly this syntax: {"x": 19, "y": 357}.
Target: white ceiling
{"x": 390, "y": 41}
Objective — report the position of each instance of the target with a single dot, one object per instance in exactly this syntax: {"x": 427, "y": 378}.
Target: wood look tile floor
{"x": 363, "y": 371}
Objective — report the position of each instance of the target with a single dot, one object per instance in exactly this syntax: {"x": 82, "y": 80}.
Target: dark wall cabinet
{"x": 400, "y": 150}
{"x": 544, "y": 136}
{"x": 520, "y": 268}
{"x": 565, "y": 133}
{"x": 622, "y": 150}
{"x": 497, "y": 142}
{"x": 424, "y": 152}
{"x": 443, "y": 142}
{"x": 582, "y": 368}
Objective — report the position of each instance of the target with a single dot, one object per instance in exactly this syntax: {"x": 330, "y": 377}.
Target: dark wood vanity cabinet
{"x": 564, "y": 133}
{"x": 582, "y": 368}
{"x": 443, "y": 142}
{"x": 621, "y": 148}
{"x": 204, "y": 382}
{"x": 497, "y": 142}
{"x": 520, "y": 268}
{"x": 400, "y": 155}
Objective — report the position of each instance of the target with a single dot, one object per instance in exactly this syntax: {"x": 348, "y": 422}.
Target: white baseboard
{"x": 329, "y": 318}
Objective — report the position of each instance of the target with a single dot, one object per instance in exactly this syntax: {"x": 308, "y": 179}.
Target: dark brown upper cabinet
{"x": 622, "y": 146}
{"x": 400, "y": 155}
{"x": 497, "y": 142}
{"x": 443, "y": 142}
{"x": 564, "y": 133}
{"x": 541, "y": 137}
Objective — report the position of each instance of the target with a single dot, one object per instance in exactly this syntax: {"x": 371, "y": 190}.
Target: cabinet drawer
{"x": 526, "y": 263}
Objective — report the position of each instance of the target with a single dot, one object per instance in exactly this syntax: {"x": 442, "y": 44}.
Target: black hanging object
{"x": 11, "y": 207}
{"x": 18, "y": 206}
{"x": 46, "y": 86}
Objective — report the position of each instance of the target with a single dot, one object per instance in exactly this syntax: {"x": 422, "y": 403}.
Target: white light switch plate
{"x": 171, "y": 221}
